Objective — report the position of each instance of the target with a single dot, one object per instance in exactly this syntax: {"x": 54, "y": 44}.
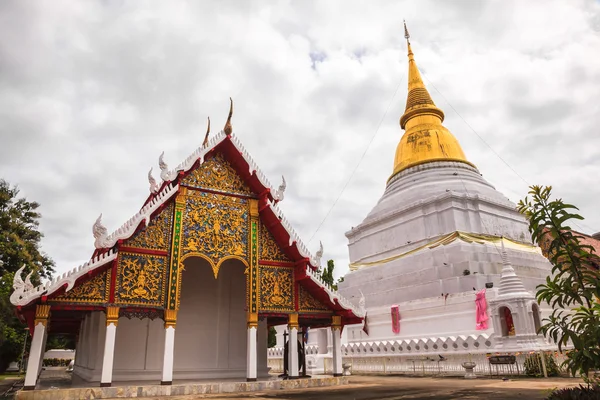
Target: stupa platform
{"x": 55, "y": 384}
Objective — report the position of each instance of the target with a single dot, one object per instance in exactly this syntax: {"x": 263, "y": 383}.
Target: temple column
{"x": 38, "y": 343}
{"x": 112, "y": 320}
{"x": 252, "y": 357}
{"x": 336, "y": 333}
{"x": 293, "y": 346}
{"x": 167, "y": 370}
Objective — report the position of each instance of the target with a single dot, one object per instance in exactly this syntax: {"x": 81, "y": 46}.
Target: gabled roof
{"x": 271, "y": 215}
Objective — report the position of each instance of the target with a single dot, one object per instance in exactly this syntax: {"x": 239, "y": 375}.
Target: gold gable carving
{"x": 94, "y": 290}
{"x": 216, "y": 227}
{"x": 157, "y": 235}
{"x": 141, "y": 279}
{"x": 276, "y": 288}
{"x": 216, "y": 173}
{"x": 269, "y": 249}
{"x": 306, "y": 302}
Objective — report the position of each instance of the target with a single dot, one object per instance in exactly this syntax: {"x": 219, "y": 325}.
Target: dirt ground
{"x": 402, "y": 387}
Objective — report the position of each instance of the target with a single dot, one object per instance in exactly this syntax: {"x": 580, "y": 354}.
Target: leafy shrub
{"x": 55, "y": 362}
{"x": 533, "y": 365}
{"x": 591, "y": 392}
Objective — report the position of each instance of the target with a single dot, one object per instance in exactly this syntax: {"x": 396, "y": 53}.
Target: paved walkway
{"x": 405, "y": 388}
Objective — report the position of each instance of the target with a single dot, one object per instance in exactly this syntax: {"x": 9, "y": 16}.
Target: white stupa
{"x": 437, "y": 237}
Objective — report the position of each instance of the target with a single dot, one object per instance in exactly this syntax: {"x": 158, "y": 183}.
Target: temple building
{"x": 187, "y": 288}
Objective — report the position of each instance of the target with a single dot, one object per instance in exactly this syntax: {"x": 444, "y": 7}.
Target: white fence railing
{"x": 450, "y": 364}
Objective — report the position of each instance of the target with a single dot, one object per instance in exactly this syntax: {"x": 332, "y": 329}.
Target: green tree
{"x": 272, "y": 338}
{"x": 327, "y": 275}
{"x": 573, "y": 289}
{"x": 19, "y": 245}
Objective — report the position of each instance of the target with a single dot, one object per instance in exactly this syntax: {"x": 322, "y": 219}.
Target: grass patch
{"x": 10, "y": 375}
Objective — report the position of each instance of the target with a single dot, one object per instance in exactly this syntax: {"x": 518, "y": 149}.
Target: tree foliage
{"x": 573, "y": 289}
{"x": 19, "y": 245}
{"x": 327, "y": 275}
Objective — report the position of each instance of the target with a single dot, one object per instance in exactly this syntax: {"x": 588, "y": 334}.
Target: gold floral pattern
{"x": 306, "y": 302}
{"x": 216, "y": 173}
{"x": 94, "y": 290}
{"x": 215, "y": 226}
{"x": 276, "y": 291}
{"x": 141, "y": 279}
{"x": 157, "y": 235}
{"x": 269, "y": 249}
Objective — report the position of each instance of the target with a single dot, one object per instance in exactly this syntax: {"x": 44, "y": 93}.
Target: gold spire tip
{"x": 406, "y": 34}
{"x": 228, "y": 128}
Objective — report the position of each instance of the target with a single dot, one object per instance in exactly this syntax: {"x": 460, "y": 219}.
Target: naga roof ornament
{"x": 100, "y": 234}
{"x": 228, "y": 129}
{"x": 205, "y": 142}
{"x": 279, "y": 193}
{"x": 319, "y": 254}
{"x": 153, "y": 185}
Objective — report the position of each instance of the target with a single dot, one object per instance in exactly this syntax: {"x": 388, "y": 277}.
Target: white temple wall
{"x": 139, "y": 348}
{"x": 90, "y": 365}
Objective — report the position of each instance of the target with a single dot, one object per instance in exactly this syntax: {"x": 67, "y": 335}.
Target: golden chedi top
{"x": 425, "y": 138}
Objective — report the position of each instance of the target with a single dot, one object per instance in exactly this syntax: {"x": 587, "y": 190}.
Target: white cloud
{"x": 92, "y": 92}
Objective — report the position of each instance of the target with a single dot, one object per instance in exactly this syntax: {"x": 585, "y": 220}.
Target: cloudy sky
{"x": 91, "y": 92}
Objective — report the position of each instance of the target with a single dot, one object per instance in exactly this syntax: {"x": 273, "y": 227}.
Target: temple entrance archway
{"x": 211, "y": 321}
{"x": 506, "y": 321}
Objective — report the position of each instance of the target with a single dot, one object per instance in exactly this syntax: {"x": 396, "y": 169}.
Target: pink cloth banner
{"x": 395, "y": 319}
{"x": 481, "y": 316}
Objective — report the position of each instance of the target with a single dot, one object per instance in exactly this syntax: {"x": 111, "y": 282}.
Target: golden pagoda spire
{"x": 425, "y": 139}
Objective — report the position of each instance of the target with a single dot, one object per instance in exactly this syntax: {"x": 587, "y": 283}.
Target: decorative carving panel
{"x": 215, "y": 226}
{"x": 94, "y": 290}
{"x": 306, "y": 302}
{"x": 141, "y": 279}
{"x": 216, "y": 173}
{"x": 157, "y": 235}
{"x": 276, "y": 288}
{"x": 269, "y": 249}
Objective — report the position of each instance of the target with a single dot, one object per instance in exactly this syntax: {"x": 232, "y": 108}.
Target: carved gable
{"x": 157, "y": 235}
{"x": 94, "y": 290}
{"x": 216, "y": 173}
{"x": 269, "y": 249}
{"x": 215, "y": 226}
{"x": 276, "y": 288}
{"x": 141, "y": 279}
{"x": 307, "y": 303}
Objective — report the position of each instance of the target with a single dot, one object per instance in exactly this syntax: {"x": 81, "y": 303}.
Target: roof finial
{"x": 406, "y": 34}
{"x": 228, "y": 128}
{"x": 205, "y": 142}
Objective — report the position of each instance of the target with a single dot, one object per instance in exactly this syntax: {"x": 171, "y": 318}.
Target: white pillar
{"x": 293, "y": 346}
{"x": 112, "y": 319}
{"x": 336, "y": 333}
{"x": 167, "y": 370}
{"x": 36, "y": 350}
{"x": 251, "y": 356}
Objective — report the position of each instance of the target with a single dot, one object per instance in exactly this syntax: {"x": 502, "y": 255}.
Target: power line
{"x": 475, "y": 132}
{"x": 490, "y": 147}
{"x": 359, "y": 161}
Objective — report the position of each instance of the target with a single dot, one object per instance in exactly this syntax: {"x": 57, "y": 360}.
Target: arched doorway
{"x": 210, "y": 337}
{"x": 536, "y": 317}
{"x": 506, "y": 321}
